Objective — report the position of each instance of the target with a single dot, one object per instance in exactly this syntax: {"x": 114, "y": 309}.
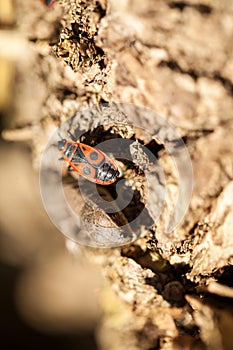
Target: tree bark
{"x": 175, "y": 58}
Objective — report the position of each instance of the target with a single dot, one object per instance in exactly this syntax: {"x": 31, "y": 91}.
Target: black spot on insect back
{"x": 93, "y": 155}
{"x": 86, "y": 170}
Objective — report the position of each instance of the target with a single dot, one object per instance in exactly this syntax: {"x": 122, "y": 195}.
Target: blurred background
{"x": 49, "y": 294}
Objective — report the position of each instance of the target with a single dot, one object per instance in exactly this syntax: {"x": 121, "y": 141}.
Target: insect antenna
{"x": 59, "y": 134}
{"x": 72, "y": 136}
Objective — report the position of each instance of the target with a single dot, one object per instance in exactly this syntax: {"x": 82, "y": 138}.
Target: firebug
{"x": 90, "y": 162}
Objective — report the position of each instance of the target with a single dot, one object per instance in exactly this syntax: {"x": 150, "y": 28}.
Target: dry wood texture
{"x": 175, "y": 57}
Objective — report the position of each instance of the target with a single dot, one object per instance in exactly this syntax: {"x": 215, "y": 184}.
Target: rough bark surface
{"x": 175, "y": 57}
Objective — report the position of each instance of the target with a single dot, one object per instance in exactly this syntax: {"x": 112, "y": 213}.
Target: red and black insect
{"x": 90, "y": 162}
{"x": 48, "y": 3}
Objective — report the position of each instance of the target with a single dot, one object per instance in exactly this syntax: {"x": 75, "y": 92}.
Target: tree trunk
{"x": 126, "y": 58}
